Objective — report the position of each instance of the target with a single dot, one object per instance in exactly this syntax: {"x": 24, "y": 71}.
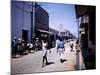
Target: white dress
{"x": 44, "y": 49}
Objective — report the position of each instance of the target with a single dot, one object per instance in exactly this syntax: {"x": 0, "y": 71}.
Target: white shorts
{"x": 61, "y": 52}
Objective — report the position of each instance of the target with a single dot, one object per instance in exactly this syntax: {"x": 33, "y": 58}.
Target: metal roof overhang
{"x": 45, "y": 31}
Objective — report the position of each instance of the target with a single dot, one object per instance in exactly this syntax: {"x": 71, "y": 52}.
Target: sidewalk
{"x": 32, "y": 63}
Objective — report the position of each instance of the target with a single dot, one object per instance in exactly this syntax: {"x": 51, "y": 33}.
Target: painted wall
{"x": 20, "y": 18}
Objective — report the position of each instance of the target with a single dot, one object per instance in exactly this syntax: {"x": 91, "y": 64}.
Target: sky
{"x": 61, "y": 16}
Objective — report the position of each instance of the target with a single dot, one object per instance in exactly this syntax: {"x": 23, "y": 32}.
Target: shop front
{"x": 42, "y": 34}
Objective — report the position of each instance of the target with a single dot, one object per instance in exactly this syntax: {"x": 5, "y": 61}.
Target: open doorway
{"x": 25, "y": 35}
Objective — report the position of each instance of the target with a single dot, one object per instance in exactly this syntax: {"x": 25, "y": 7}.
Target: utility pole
{"x": 78, "y": 27}
{"x": 32, "y": 22}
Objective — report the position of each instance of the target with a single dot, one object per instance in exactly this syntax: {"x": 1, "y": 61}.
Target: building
{"x": 87, "y": 28}
{"x": 54, "y": 34}
{"x": 21, "y": 21}
{"x": 41, "y": 22}
{"x": 87, "y": 24}
{"x": 67, "y": 35}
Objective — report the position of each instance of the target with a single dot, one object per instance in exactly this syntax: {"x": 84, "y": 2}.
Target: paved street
{"x": 32, "y": 62}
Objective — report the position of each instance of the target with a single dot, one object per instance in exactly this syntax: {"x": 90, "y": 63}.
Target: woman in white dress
{"x": 44, "y": 50}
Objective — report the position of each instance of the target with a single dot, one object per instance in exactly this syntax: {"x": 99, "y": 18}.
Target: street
{"x": 32, "y": 62}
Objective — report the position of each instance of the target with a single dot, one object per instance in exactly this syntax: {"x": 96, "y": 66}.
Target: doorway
{"x": 25, "y": 35}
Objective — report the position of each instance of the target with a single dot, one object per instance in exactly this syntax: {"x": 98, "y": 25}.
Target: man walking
{"x": 61, "y": 49}
{"x": 71, "y": 45}
{"x": 57, "y": 42}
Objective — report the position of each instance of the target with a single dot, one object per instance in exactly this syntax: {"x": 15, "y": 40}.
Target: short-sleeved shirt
{"x": 61, "y": 44}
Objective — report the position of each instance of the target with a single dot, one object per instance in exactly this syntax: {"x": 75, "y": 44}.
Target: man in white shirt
{"x": 57, "y": 42}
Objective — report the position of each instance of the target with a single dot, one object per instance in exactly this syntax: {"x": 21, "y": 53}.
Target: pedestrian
{"x": 23, "y": 44}
{"x": 77, "y": 46}
{"x": 44, "y": 50}
{"x": 71, "y": 45}
{"x": 14, "y": 47}
{"x": 61, "y": 49}
{"x": 49, "y": 45}
{"x": 37, "y": 44}
{"x": 30, "y": 47}
{"x": 57, "y": 42}
{"x": 20, "y": 48}
{"x": 66, "y": 39}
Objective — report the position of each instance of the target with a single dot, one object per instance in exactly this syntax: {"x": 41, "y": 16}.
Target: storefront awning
{"x": 45, "y": 31}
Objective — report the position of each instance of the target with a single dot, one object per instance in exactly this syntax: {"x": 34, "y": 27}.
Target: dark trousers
{"x": 44, "y": 59}
{"x": 71, "y": 47}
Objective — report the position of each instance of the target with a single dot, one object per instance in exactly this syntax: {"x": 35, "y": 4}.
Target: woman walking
{"x": 44, "y": 50}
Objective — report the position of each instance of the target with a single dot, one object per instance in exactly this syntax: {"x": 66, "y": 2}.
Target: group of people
{"x": 21, "y": 47}
{"x": 18, "y": 47}
{"x": 60, "y": 49}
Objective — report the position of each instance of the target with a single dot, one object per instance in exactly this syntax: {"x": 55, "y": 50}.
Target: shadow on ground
{"x": 63, "y": 60}
{"x": 49, "y": 63}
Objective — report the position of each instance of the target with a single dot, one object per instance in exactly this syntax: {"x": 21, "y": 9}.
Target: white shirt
{"x": 71, "y": 42}
{"x": 57, "y": 42}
